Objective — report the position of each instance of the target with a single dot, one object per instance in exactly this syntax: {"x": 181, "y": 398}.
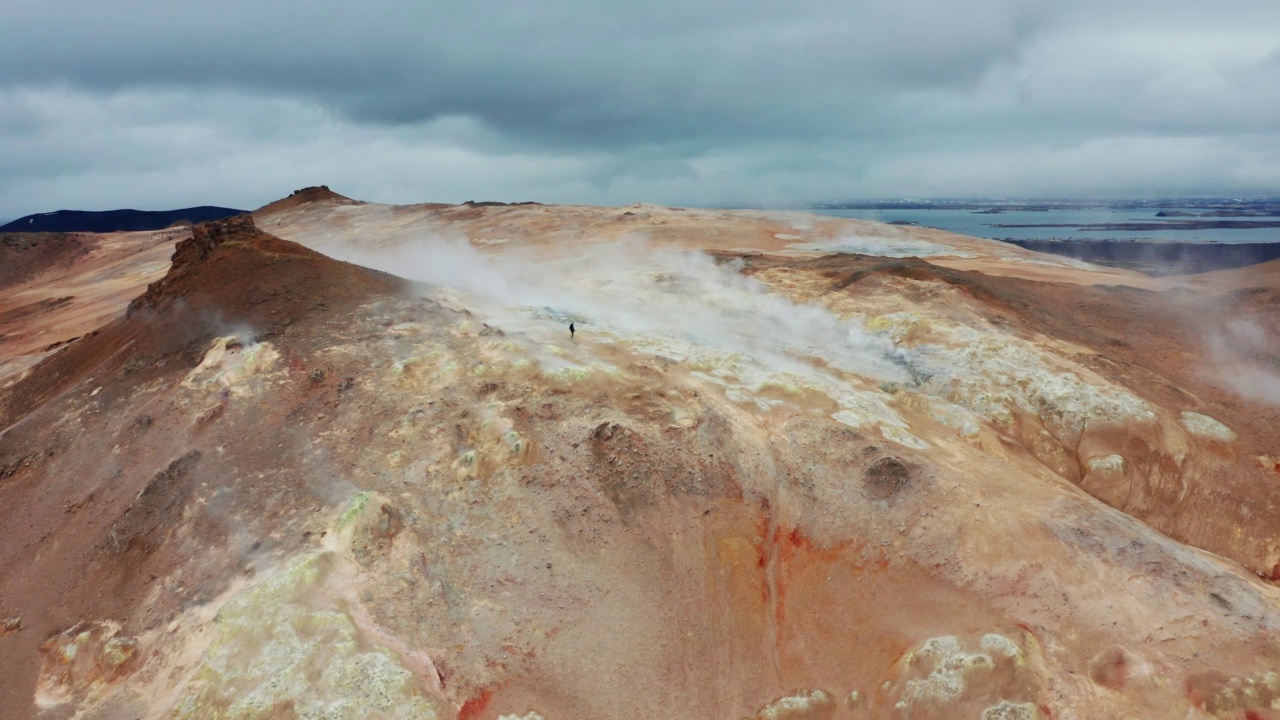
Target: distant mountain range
{"x": 116, "y": 220}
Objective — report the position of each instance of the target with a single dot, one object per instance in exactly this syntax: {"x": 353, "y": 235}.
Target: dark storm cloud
{"x": 674, "y": 101}
{"x": 574, "y": 72}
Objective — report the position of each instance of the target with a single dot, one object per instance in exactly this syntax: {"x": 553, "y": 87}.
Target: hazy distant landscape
{"x": 1166, "y": 236}
{"x": 1184, "y": 220}
{"x": 1203, "y": 220}
{"x": 1170, "y": 236}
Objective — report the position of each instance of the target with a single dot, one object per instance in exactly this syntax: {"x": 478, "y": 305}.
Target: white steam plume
{"x": 1247, "y": 355}
{"x": 662, "y": 300}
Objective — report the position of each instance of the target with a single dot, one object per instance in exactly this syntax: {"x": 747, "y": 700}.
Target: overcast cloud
{"x": 151, "y": 104}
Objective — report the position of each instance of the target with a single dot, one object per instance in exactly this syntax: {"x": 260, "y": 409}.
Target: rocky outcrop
{"x": 306, "y": 196}
{"x": 189, "y": 267}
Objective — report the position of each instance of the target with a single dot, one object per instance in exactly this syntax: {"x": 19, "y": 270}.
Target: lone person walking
{"x": 571, "y": 331}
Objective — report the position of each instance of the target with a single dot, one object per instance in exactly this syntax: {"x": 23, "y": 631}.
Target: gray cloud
{"x": 154, "y": 103}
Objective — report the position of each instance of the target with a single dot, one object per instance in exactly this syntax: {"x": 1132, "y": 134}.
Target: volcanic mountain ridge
{"x": 789, "y": 467}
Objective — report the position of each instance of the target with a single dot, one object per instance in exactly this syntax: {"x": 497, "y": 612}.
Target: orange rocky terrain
{"x": 342, "y": 459}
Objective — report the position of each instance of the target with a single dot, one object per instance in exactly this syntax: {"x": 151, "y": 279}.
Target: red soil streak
{"x": 762, "y": 552}
{"x": 796, "y": 541}
{"x": 793, "y": 543}
{"x": 788, "y": 544}
{"x": 793, "y": 548}
{"x": 472, "y": 708}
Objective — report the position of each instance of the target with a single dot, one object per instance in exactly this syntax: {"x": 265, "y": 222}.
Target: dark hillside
{"x": 63, "y": 221}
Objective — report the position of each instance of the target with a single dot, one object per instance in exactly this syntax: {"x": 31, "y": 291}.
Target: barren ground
{"x": 345, "y": 460}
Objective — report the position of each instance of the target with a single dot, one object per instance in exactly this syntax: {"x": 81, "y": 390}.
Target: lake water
{"x": 968, "y": 222}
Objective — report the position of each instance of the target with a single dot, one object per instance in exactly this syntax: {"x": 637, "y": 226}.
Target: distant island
{"x": 1156, "y": 226}
{"x": 1177, "y": 206}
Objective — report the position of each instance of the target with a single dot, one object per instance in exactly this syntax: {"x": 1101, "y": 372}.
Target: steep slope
{"x": 89, "y": 432}
{"x": 23, "y": 255}
{"x": 774, "y": 483}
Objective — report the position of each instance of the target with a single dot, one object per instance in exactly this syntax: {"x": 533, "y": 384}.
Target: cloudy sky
{"x": 158, "y": 104}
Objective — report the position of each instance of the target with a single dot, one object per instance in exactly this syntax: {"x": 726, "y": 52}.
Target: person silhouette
{"x": 571, "y": 331}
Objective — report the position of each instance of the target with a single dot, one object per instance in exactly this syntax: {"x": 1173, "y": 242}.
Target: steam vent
{"x": 335, "y": 459}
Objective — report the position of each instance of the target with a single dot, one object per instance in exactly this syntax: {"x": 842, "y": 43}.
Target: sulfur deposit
{"x": 346, "y": 460}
